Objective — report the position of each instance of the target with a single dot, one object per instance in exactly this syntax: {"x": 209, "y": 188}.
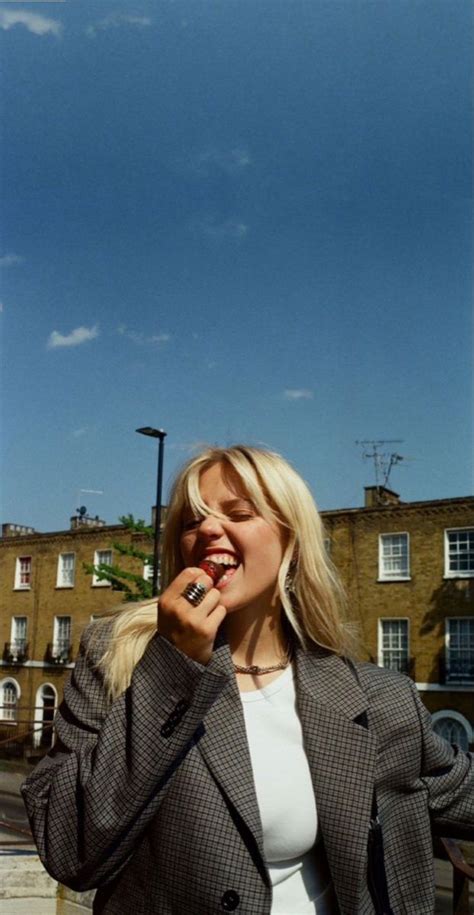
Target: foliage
{"x": 132, "y": 585}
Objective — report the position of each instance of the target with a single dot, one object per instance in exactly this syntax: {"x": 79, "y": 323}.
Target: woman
{"x": 229, "y": 757}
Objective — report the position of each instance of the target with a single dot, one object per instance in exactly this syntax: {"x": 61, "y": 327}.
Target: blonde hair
{"x": 310, "y": 591}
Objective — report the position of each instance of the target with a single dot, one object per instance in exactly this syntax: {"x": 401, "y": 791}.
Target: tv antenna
{"x": 82, "y": 510}
{"x": 383, "y": 460}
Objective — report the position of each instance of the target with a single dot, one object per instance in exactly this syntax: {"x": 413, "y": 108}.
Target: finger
{"x": 203, "y": 581}
{"x": 186, "y": 577}
{"x": 215, "y": 618}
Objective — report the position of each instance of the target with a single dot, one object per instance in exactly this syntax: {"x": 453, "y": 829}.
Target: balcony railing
{"x": 16, "y": 652}
{"x": 457, "y": 671}
{"x": 59, "y": 652}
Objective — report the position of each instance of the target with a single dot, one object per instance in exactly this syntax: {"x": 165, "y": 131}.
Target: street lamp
{"x": 161, "y": 434}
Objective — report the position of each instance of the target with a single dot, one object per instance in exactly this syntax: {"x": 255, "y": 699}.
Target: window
{"x": 18, "y": 637}
{"x": 102, "y": 557}
{"x": 147, "y": 571}
{"x": 393, "y": 644}
{"x": 9, "y": 695}
{"x": 460, "y": 650}
{"x": 23, "y": 573}
{"x": 62, "y": 637}
{"x": 66, "y": 570}
{"x": 393, "y": 557}
{"x": 453, "y": 726}
{"x": 459, "y": 553}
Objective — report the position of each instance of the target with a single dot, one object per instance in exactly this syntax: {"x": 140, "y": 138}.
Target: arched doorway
{"x": 45, "y": 705}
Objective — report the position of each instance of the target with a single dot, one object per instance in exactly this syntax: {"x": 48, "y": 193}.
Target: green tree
{"x": 132, "y": 585}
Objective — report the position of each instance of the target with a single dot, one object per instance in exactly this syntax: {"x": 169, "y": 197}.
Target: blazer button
{"x": 181, "y": 708}
{"x": 230, "y": 900}
{"x": 167, "y": 729}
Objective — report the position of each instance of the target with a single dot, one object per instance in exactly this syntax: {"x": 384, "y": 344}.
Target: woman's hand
{"x": 191, "y": 629}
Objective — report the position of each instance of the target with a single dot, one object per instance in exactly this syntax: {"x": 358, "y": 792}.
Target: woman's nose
{"x": 211, "y": 526}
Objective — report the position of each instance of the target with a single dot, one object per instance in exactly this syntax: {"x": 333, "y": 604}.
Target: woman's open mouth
{"x": 230, "y": 563}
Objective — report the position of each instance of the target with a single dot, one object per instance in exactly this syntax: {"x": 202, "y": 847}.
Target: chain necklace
{"x": 256, "y": 670}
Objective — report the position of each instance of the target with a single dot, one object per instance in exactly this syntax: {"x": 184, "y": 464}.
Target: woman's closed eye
{"x": 243, "y": 515}
{"x": 191, "y": 523}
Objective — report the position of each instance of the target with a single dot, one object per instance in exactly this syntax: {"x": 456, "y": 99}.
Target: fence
{"x": 19, "y": 736}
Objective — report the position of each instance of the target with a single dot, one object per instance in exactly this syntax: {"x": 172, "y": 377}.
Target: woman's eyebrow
{"x": 231, "y": 503}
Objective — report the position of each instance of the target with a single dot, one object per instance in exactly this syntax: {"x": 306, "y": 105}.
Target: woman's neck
{"x": 258, "y": 640}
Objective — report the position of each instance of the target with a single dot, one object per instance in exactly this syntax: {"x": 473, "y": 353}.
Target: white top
{"x": 286, "y": 800}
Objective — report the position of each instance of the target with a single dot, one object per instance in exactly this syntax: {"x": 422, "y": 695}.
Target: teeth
{"x": 223, "y": 558}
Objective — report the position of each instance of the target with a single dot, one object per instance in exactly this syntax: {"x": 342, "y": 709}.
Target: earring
{"x": 290, "y": 577}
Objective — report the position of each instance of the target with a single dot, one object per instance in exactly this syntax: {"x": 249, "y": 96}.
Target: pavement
{"x": 10, "y": 781}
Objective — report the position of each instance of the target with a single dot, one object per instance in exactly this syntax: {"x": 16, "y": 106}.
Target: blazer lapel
{"x": 224, "y": 746}
{"x": 341, "y": 755}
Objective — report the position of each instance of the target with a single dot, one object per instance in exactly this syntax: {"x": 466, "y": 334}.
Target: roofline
{"x": 74, "y": 532}
{"x": 400, "y": 506}
{"x": 391, "y": 506}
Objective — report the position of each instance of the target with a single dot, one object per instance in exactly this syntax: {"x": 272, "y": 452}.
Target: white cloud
{"x": 138, "y": 337}
{"x": 75, "y": 338}
{"x": 38, "y": 25}
{"x": 188, "y": 447}
{"x": 114, "y": 21}
{"x": 10, "y": 260}
{"x": 231, "y": 161}
{"x": 78, "y": 433}
{"x": 229, "y": 228}
{"x": 298, "y": 394}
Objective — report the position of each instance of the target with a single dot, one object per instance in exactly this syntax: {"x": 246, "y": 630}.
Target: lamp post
{"x": 161, "y": 435}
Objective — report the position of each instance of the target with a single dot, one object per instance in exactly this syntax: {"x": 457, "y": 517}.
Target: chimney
{"x": 378, "y": 496}
{"x": 79, "y": 522}
{"x": 16, "y": 530}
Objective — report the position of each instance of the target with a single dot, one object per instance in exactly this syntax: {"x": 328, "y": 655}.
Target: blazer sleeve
{"x": 448, "y": 774}
{"x": 92, "y": 797}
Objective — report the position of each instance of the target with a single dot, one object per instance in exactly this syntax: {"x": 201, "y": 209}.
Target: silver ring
{"x": 194, "y": 593}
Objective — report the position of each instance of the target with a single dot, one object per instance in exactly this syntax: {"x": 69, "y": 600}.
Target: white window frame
{"x": 95, "y": 581}
{"x": 18, "y": 586}
{"x": 447, "y": 642}
{"x": 16, "y": 641}
{"x": 6, "y": 718}
{"x": 60, "y": 643}
{"x": 148, "y": 571}
{"x": 60, "y": 581}
{"x": 383, "y": 575}
{"x": 452, "y": 573}
{"x": 380, "y": 648}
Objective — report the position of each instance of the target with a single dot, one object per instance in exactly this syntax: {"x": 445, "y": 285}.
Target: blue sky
{"x": 237, "y": 221}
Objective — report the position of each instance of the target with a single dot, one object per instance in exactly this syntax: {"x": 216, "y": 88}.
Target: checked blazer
{"x": 151, "y": 798}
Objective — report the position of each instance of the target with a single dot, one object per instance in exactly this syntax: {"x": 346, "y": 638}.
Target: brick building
{"x": 408, "y": 569}
{"x": 46, "y": 600}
